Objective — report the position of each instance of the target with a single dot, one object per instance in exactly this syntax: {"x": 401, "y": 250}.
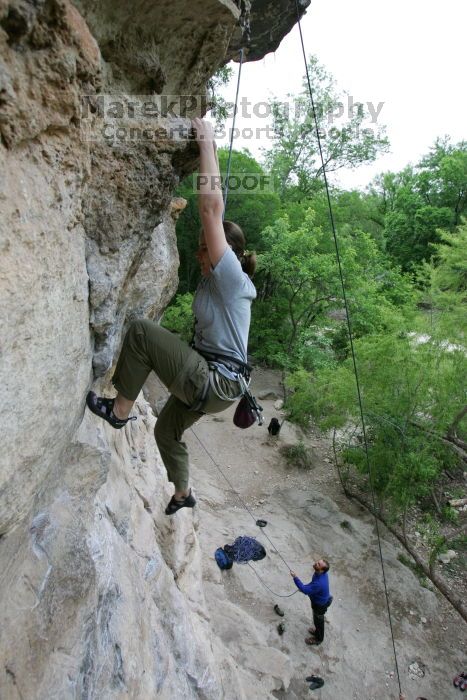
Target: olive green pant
{"x": 147, "y": 346}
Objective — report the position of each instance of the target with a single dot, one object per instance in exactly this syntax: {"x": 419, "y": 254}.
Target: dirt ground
{"x": 308, "y": 516}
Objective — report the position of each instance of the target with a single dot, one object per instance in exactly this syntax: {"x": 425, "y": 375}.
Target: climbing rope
{"x": 279, "y": 595}
{"x": 245, "y": 505}
{"x": 232, "y": 133}
{"x": 349, "y": 329}
{"x": 258, "y": 523}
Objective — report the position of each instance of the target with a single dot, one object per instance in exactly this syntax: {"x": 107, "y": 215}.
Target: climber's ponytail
{"x": 236, "y": 238}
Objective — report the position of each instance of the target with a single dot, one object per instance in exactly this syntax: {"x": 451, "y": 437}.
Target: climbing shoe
{"x": 317, "y": 683}
{"x": 281, "y": 628}
{"x": 311, "y": 679}
{"x": 104, "y": 409}
{"x": 278, "y": 611}
{"x": 175, "y": 504}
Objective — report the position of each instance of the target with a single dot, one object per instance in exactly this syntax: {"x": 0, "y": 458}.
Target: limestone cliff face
{"x": 93, "y": 578}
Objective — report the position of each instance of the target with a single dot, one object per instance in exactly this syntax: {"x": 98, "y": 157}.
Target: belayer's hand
{"x": 292, "y": 573}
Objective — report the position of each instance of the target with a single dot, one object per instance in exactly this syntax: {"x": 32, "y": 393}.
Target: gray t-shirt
{"x": 222, "y": 309}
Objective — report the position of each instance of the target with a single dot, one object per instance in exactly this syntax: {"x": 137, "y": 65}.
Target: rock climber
{"x": 318, "y": 592}
{"x": 202, "y": 378}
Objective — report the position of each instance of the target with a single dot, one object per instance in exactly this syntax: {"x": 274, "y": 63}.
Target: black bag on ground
{"x": 274, "y": 427}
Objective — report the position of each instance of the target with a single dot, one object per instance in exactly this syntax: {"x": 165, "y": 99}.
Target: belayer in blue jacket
{"x": 318, "y": 592}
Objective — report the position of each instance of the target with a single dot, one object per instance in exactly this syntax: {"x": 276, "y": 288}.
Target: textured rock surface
{"x": 266, "y": 23}
{"x": 45, "y": 345}
{"x": 101, "y": 597}
{"x": 100, "y": 594}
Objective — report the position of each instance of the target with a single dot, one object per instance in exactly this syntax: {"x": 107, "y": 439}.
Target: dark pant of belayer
{"x": 319, "y": 612}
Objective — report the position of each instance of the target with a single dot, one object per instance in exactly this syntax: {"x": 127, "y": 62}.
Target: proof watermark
{"x": 235, "y": 183}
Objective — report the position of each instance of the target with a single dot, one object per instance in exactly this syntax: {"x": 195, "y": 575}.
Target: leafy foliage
{"x": 420, "y": 201}
{"x": 413, "y": 389}
{"x": 219, "y": 107}
{"x": 299, "y": 290}
{"x": 294, "y": 156}
{"x": 297, "y": 455}
{"x": 411, "y": 392}
{"x": 178, "y": 317}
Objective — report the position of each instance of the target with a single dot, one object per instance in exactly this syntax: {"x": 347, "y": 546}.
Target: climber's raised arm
{"x": 211, "y": 205}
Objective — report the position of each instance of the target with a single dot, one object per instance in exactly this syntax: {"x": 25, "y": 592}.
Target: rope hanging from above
{"x": 226, "y": 187}
{"x": 349, "y": 329}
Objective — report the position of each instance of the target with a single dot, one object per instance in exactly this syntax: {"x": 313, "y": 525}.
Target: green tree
{"x": 299, "y": 291}
{"x": 178, "y": 317}
{"x": 443, "y": 178}
{"x": 360, "y": 210}
{"x": 219, "y": 106}
{"x": 413, "y": 384}
{"x": 410, "y": 391}
{"x": 294, "y": 157}
{"x": 420, "y": 201}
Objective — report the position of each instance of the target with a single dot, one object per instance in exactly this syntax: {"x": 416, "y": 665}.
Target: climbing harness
{"x": 350, "y": 334}
{"x": 248, "y": 410}
{"x": 231, "y": 363}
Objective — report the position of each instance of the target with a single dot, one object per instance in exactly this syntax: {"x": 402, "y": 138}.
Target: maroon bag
{"x": 244, "y": 415}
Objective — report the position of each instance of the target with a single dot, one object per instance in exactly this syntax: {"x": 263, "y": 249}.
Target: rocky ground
{"x": 308, "y": 516}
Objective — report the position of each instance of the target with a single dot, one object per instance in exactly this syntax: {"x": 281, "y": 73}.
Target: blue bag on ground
{"x": 224, "y": 561}
{"x": 244, "y": 549}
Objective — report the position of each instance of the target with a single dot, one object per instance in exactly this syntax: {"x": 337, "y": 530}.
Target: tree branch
{"x": 452, "y": 442}
{"x": 451, "y": 431}
{"x": 427, "y": 569}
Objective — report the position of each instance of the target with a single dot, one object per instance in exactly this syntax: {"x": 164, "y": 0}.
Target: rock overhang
{"x": 175, "y": 46}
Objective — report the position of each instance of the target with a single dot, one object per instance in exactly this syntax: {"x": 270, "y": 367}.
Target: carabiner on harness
{"x": 254, "y": 406}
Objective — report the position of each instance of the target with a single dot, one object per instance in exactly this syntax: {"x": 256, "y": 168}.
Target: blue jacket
{"x": 317, "y": 590}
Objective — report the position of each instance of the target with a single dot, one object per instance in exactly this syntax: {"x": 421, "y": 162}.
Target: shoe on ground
{"x": 318, "y": 683}
{"x": 278, "y": 610}
{"x": 311, "y": 641}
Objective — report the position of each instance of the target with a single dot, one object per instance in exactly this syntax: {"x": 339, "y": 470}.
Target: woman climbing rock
{"x": 203, "y": 378}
